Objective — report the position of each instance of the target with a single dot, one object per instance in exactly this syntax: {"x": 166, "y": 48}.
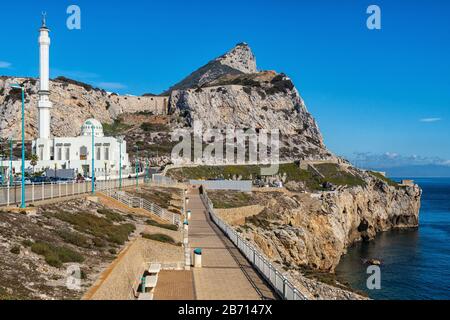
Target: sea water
{"x": 416, "y": 262}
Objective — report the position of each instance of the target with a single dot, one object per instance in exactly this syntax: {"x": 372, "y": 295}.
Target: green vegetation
{"x": 15, "y": 249}
{"x": 115, "y": 128}
{"x": 97, "y": 226}
{"x": 335, "y": 175}
{"x": 27, "y": 243}
{"x": 159, "y": 197}
{"x": 230, "y": 199}
{"x": 154, "y": 127}
{"x": 331, "y": 172}
{"x": 55, "y": 256}
{"x": 161, "y": 225}
{"x": 383, "y": 178}
{"x": 159, "y": 237}
{"x": 74, "y": 238}
{"x": 111, "y": 215}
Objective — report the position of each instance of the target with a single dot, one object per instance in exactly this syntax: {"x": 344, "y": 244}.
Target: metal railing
{"x": 137, "y": 202}
{"x": 282, "y": 285}
{"x": 11, "y": 195}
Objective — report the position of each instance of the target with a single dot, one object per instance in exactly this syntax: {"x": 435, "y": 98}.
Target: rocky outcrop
{"x": 264, "y": 100}
{"x": 314, "y": 230}
{"x": 237, "y": 61}
{"x": 73, "y": 103}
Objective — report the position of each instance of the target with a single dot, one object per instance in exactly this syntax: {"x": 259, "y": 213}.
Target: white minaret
{"x": 44, "y": 103}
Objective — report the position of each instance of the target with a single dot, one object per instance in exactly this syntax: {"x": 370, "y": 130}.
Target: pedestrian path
{"x": 225, "y": 273}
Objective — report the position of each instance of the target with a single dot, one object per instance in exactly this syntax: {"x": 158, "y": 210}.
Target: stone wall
{"x": 120, "y": 280}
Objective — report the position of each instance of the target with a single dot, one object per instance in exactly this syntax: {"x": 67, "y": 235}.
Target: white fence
{"x": 12, "y": 195}
{"x": 275, "y": 278}
{"x": 137, "y": 202}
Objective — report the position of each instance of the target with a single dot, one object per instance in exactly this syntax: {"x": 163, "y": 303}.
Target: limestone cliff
{"x": 264, "y": 100}
{"x": 238, "y": 60}
{"x": 73, "y": 102}
{"x": 314, "y": 230}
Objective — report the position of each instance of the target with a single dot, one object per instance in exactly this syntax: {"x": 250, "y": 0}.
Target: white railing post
{"x": 43, "y": 191}
{"x": 7, "y": 197}
{"x": 51, "y": 190}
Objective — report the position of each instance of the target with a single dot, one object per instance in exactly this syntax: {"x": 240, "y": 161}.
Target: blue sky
{"x": 368, "y": 90}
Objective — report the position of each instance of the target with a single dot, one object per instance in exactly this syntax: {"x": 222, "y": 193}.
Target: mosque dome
{"x": 88, "y": 125}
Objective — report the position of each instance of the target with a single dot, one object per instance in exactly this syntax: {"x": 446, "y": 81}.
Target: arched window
{"x": 83, "y": 153}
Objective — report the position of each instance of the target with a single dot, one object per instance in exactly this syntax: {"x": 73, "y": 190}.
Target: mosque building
{"x": 71, "y": 152}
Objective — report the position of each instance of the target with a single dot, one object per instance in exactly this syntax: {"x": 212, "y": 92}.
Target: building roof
{"x": 92, "y": 124}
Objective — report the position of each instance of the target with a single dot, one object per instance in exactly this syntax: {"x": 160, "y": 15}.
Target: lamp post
{"x": 120, "y": 162}
{"x": 10, "y": 162}
{"x": 137, "y": 165}
{"x": 2, "y": 171}
{"x": 147, "y": 171}
{"x": 17, "y": 86}
{"x": 93, "y": 162}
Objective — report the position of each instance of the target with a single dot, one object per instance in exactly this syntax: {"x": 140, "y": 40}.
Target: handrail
{"x": 280, "y": 283}
{"x": 137, "y": 202}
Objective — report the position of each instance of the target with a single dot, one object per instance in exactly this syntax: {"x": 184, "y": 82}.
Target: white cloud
{"x": 430, "y": 119}
{"x": 111, "y": 85}
{"x": 5, "y": 64}
{"x": 392, "y": 159}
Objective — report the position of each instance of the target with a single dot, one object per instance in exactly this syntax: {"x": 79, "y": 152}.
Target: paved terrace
{"x": 225, "y": 274}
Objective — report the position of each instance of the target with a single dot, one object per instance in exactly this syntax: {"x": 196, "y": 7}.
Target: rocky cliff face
{"x": 314, "y": 230}
{"x": 73, "y": 103}
{"x": 264, "y": 100}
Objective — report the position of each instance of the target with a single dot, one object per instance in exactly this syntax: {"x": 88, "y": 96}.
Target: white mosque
{"x": 72, "y": 152}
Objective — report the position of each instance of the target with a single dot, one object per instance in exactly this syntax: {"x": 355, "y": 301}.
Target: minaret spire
{"x": 44, "y": 104}
{"x": 44, "y": 15}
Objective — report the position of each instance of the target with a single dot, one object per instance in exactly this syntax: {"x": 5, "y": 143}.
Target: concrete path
{"x": 225, "y": 274}
{"x": 174, "y": 285}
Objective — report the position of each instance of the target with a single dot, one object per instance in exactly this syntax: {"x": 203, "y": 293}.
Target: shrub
{"x": 15, "y": 249}
{"x": 27, "y": 243}
{"x": 74, "y": 238}
{"x": 161, "y": 225}
{"x": 154, "y": 127}
{"x": 159, "y": 237}
{"x": 100, "y": 243}
{"x": 55, "y": 256}
{"x": 97, "y": 226}
{"x": 111, "y": 215}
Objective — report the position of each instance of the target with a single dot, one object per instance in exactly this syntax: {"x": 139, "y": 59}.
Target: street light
{"x": 136, "y": 165}
{"x": 17, "y": 86}
{"x": 11, "y": 177}
{"x": 93, "y": 162}
{"x": 120, "y": 162}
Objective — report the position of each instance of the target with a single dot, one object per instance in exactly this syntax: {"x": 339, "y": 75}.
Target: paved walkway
{"x": 174, "y": 285}
{"x": 225, "y": 274}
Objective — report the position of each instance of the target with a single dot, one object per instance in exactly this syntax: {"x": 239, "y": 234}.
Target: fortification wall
{"x": 131, "y": 104}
